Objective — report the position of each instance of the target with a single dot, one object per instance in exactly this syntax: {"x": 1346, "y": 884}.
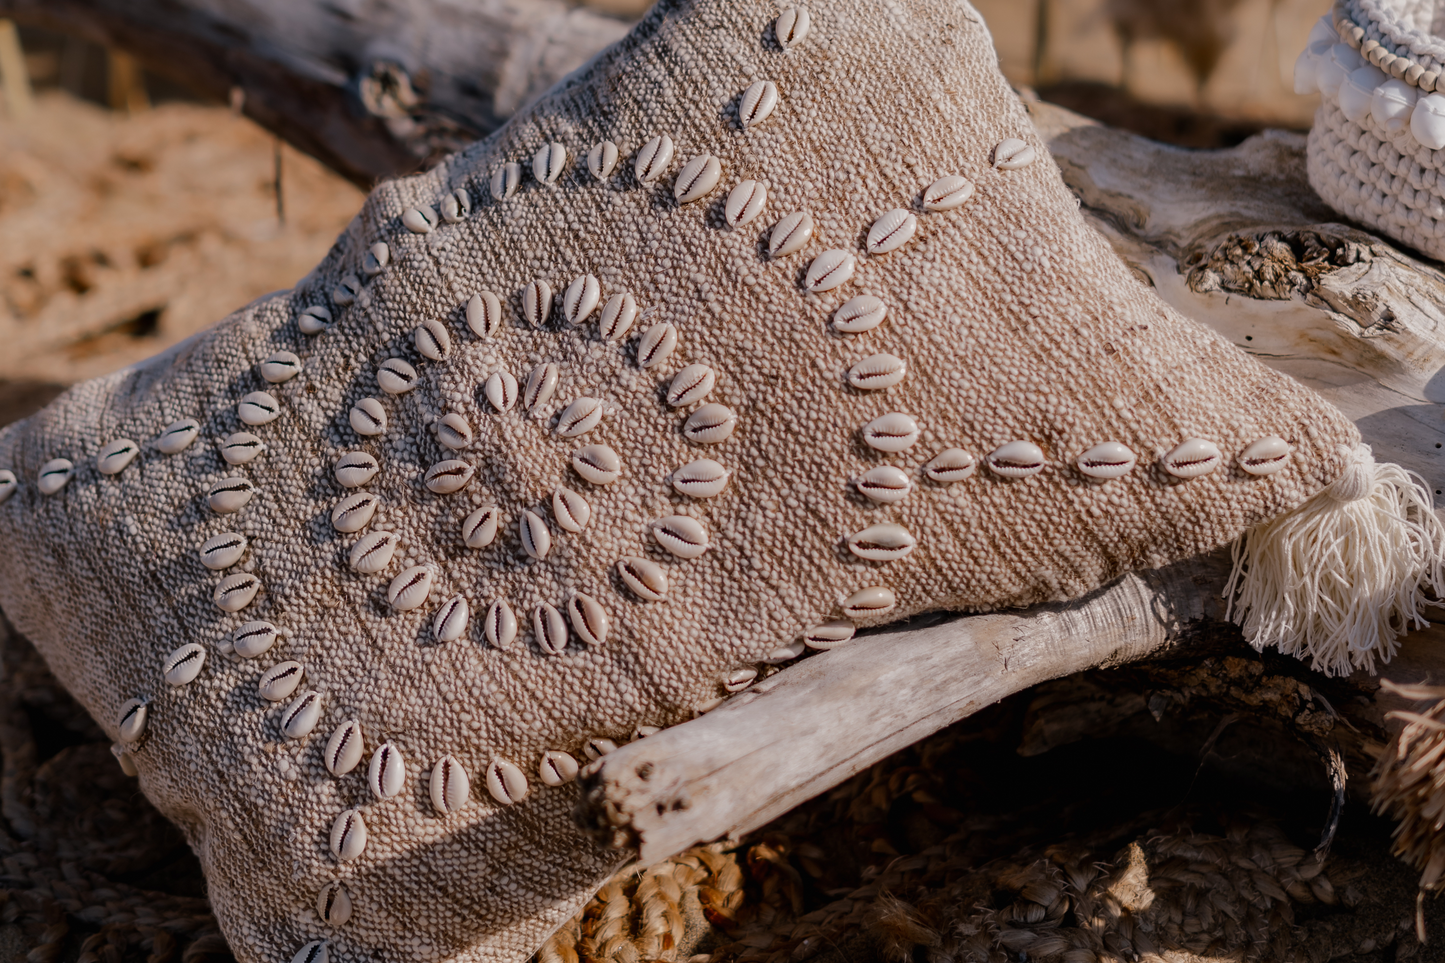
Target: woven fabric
{"x": 1015, "y": 320}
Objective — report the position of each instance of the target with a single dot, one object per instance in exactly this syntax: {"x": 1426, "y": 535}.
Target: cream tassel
{"x": 1338, "y": 579}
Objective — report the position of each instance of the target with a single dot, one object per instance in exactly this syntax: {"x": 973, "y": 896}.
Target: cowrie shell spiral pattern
{"x": 858, "y": 314}
{"x": 114, "y": 456}
{"x": 598, "y": 464}
{"x": 571, "y": 510}
{"x": 344, "y": 748}
{"x": 617, "y": 316}
{"x": 891, "y": 231}
{"x": 602, "y": 160}
{"x": 333, "y": 904}
{"x": 829, "y": 634}
{"x": 681, "y": 535}
{"x": 829, "y": 270}
{"x": 892, "y": 432}
{"x": 259, "y": 408}
{"x": 348, "y": 840}
{"x": 869, "y": 602}
{"x": 885, "y": 484}
{"x": 757, "y": 102}
{"x": 505, "y": 782}
{"x": 1017, "y": 459}
{"x": 877, "y": 372}
{"x": 711, "y": 424}
{"x": 1193, "y": 458}
{"x": 317, "y": 951}
{"x": 378, "y": 256}
{"x": 222, "y": 551}
{"x": 589, "y": 619}
{"x": 947, "y": 193}
{"x": 396, "y": 377}
{"x": 505, "y": 181}
{"x": 656, "y": 344}
{"x": 184, "y": 664}
{"x": 653, "y": 159}
{"x": 456, "y": 206}
{"x": 1107, "y": 460}
{"x": 132, "y": 720}
{"x": 1012, "y": 154}
{"x": 882, "y": 543}
{"x": 580, "y": 417}
{"x": 1266, "y": 456}
{"x": 451, "y": 619}
{"x": 480, "y": 527}
{"x": 432, "y": 340}
{"x": 703, "y": 478}
{"x": 409, "y": 589}
{"x": 241, "y": 447}
{"x": 745, "y": 202}
{"x": 548, "y": 162}
{"x": 537, "y": 303}
{"x": 556, "y": 769}
{"x": 386, "y": 774}
{"x": 697, "y": 179}
{"x": 541, "y": 384}
{"x": 355, "y": 468}
{"x": 313, "y": 320}
{"x": 453, "y": 430}
{"x": 450, "y": 787}
{"x": 367, "y": 417}
{"x": 177, "y": 435}
{"x": 691, "y": 385}
{"x": 279, "y": 681}
{"x": 54, "y": 475}
{"x": 235, "y": 592}
{"x": 736, "y": 680}
{"x": 644, "y": 577}
{"x": 501, "y": 625}
{"x": 347, "y": 291}
{"x": 373, "y": 552}
{"x": 253, "y": 639}
{"x": 353, "y": 512}
{"x": 792, "y": 27}
{"x": 951, "y": 465}
{"x": 501, "y": 390}
{"x": 549, "y": 629}
{"x": 280, "y": 367}
{"x": 484, "y": 314}
{"x": 448, "y": 476}
{"x": 230, "y": 495}
{"x": 536, "y": 540}
{"x": 581, "y": 299}
{"x": 419, "y": 220}
{"x": 301, "y": 717}
{"x": 790, "y": 235}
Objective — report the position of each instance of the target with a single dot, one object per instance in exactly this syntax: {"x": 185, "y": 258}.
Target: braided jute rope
{"x": 1377, "y": 146}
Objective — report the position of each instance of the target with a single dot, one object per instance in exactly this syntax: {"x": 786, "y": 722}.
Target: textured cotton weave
{"x": 1016, "y": 322}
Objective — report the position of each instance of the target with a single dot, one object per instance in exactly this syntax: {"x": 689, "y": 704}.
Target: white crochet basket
{"x": 1377, "y": 148}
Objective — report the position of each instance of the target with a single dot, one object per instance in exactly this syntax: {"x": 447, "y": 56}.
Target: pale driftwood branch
{"x": 828, "y": 717}
{"x": 1235, "y": 239}
{"x": 370, "y": 90}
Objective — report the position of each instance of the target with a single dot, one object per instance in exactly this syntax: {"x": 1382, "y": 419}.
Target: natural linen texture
{"x": 1013, "y": 322}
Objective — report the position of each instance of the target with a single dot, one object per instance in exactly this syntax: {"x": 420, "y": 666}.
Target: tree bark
{"x": 371, "y": 90}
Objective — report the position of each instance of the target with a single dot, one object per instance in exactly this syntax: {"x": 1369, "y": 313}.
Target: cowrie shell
{"x": 581, "y": 299}
{"x": 373, "y": 552}
{"x": 1193, "y": 458}
{"x": 355, "y": 468}
{"x": 348, "y": 839}
{"x": 757, "y": 102}
{"x": 344, "y": 748}
{"x": 1017, "y": 459}
{"x": 891, "y": 231}
{"x": 505, "y": 181}
{"x": 222, "y": 551}
{"x": 703, "y": 478}
{"x": 536, "y": 540}
{"x": 301, "y": 717}
{"x": 450, "y": 622}
{"x": 1107, "y": 460}
{"x": 1266, "y": 456}
{"x": 333, "y": 905}
{"x": 258, "y": 408}
{"x": 386, "y": 773}
{"x": 947, "y": 193}
{"x": 950, "y": 465}
{"x": 448, "y": 476}
{"x": 541, "y": 383}
{"x": 645, "y": 577}
{"x": 790, "y": 235}
{"x": 453, "y": 430}
{"x": 234, "y": 592}
{"x": 184, "y": 664}
{"x": 505, "y": 782}
{"x": 882, "y": 543}
{"x": 280, "y": 367}
{"x": 456, "y": 206}
{"x": 253, "y": 639}
{"x": 1012, "y": 154}
{"x": 653, "y": 159}
{"x": 396, "y": 377}
{"x": 745, "y": 202}
{"x": 792, "y": 26}
{"x": 550, "y": 628}
{"x": 682, "y": 536}
{"x": 353, "y": 512}
{"x": 449, "y": 785}
{"x": 736, "y": 680}
{"x": 8, "y": 483}
{"x": 892, "y": 432}
{"x": 697, "y": 179}
{"x": 126, "y": 760}
{"x": 501, "y": 390}
{"x": 691, "y": 385}
{"x": 347, "y": 291}
{"x": 710, "y": 425}
{"x": 409, "y": 589}
{"x": 785, "y": 653}
{"x": 419, "y": 220}
{"x": 177, "y": 435}
{"x": 114, "y": 456}
{"x": 132, "y": 720}
{"x": 314, "y": 319}
{"x": 557, "y": 768}
{"x": 580, "y": 417}
{"x": 548, "y": 162}
{"x": 597, "y": 464}
{"x": 829, "y": 270}
{"x": 367, "y": 417}
{"x": 480, "y": 527}
{"x": 885, "y": 484}
{"x": 617, "y": 316}
{"x": 53, "y": 475}
{"x": 432, "y": 340}
{"x": 656, "y": 344}
{"x": 537, "y": 303}
{"x": 240, "y": 447}
{"x": 279, "y": 681}
{"x": 602, "y": 160}
{"x": 589, "y": 619}
{"x": 597, "y": 747}
{"x": 858, "y": 314}
{"x": 317, "y": 951}
{"x": 877, "y": 372}
{"x": 229, "y": 495}
{"x": 484, "y": 314}
{"x": 571, "y": 510}
{"x": 377, "y": 257}
{"x": 501, "y": 625}
{"x": 826, "y": 635}
{"x": 869, "y": 602}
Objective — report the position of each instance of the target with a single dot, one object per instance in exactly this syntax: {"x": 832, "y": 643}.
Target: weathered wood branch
{"x": 370, "y": 90}
{"x": 1235, "y": 239}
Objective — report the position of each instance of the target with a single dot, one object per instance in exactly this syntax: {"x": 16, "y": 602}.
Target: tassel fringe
{"x": 1338, "y": 579}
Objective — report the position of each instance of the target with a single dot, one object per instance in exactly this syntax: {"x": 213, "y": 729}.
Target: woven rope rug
{"x": 767, "y": 324}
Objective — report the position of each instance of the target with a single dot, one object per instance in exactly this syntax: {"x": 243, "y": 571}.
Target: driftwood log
{"x": 1233, "y": 238}
{"x": 370, "y": 90}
